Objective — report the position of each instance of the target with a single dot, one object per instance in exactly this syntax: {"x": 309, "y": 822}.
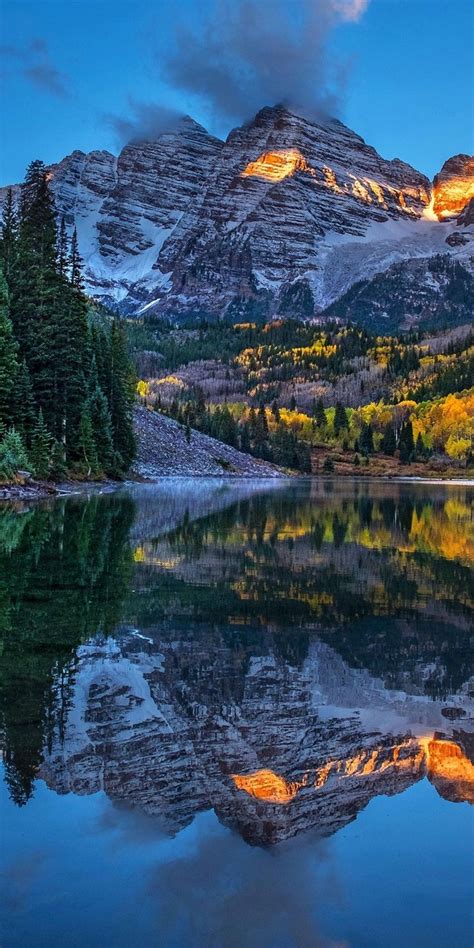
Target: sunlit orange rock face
{"x": 453, "y": 187}
{"x": 276, "y": 165}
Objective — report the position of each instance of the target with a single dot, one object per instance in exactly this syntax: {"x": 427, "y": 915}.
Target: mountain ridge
{"x": 284, "y": 216}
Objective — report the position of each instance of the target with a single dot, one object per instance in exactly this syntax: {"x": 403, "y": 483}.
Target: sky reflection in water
{"x": 238, "y": 715}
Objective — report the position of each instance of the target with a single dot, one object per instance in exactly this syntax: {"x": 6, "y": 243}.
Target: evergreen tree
{"x": 276, "y": 412}
{"x": 76, "y": 265}
{"x": 24, "y": 404}
{"x": 121, "y": 399}
{"x": 63, "y": 250}
{"x": 366, "y": 439}
{"x": 320, "y": 414}
{"x": 33, "y": 283}
{"x": 420, "y": 446}
{"x": 40, "y": 448}
{"x": 101, "y": 423}
{"x": 389, "y": 443}
{"x": 86, "y": 444}
{"x": 252, "y": 424}
{"x": 341, "y": 420}
{"x": 8, "y": 357}
{"x": 261, "y": 431}
{"x": 244, "y": 437}
{"x": 8, "y": 241}
{"x": 406, "y": 443}
{"x": 58, "y": 468}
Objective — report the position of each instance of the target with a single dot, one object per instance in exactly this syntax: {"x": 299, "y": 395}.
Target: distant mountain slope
{"x": 429, "y": 293}
{"x": 284, "y": 217}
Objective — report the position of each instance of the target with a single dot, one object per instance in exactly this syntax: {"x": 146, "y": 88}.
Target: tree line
{"x": 66, "y": 380}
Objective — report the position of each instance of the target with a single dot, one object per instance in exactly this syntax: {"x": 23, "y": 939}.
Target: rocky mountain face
{"x": 176, "y": 725}
{"x": 283, "y": 217}
{"x": 428, "y": 291}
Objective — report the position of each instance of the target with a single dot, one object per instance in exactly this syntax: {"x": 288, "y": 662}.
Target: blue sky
{"x": 73, "y": 71}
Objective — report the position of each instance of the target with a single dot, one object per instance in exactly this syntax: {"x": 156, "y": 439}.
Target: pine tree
{"x": 406, "y": 443}
{"x": 40, "y": 448}
{"x": 8, "y": 241}
{"x": 121, "y": 399}
{"x": 58, "y": 467}
{"x": 56, "y": 349}
{"x": 366, "y": 439}
{"x": 34, "y": 285}
{"x": 24, "y": 404}
{"x": 320, "y": 414}
{"x": 76, "y": 265}
{"x": 63, "y": 250}
{"x": 420, "y": 446}
{"x": 86, "y": 445}
{"x": 8, "y": 356}
{"x": 244, "y": 437}
{"x": 389, "y": 443}
{"x": 341, "y": 420}
{"x": 261, "y": 431}
{"x": 101, "y": 423}
{"x": 252, "y": 424}
{"x": 275, "y": 412}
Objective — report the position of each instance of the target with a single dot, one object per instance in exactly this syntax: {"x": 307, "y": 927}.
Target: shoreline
{"x": 45, "y": 491}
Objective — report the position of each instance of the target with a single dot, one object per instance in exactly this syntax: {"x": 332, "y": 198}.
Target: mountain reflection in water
{"x": 280, "y": 654}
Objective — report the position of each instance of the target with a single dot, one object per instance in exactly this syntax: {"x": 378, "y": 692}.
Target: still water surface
{"x": 238, "y": 715}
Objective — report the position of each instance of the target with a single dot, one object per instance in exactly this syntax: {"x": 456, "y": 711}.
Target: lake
{"x": 238, "y": 714}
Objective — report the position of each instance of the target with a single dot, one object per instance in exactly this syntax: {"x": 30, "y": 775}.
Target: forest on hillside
{"x": 285, "y": 389}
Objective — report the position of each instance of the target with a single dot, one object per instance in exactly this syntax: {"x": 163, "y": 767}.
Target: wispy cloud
{"x": 35, "y": 63}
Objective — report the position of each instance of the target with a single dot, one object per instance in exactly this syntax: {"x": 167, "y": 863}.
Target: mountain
{"x": 283, "y": 217}
{"x": 175, "y": 727}
{"x": 435, "y": 291}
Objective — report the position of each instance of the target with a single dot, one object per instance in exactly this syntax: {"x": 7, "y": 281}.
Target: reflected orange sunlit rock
{"x": 267, "y": 786}
{"x": 450, "y": 770}
{"x": 442, "y": 761}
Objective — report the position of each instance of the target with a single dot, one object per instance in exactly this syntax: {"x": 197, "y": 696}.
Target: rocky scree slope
{"x": 165, "y": 451}
{"x": 284, "y": 216}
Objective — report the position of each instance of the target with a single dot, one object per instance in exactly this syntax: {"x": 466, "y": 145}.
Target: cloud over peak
{"x": 243, "y": 54}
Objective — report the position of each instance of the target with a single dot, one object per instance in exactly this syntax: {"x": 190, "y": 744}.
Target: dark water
{"x": 238, "y": 715}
